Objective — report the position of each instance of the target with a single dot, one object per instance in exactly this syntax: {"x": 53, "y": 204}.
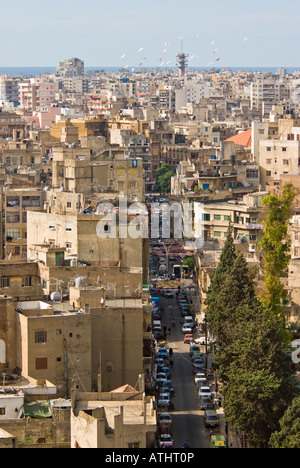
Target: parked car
{"x": 185, "y": 312}
{"x": 194, "y": 349}
{"x": 166, "y": 371}
{"x": 188, "y": 337}
{"x": 166, "y": 387}
{"x": 201, "y": 382}
{"x": 161, "y": 377}
{"x": 199, "y": 375}
{"x": 186, "y": 329}
{"x": 206, "y": 403}
{"x": 165, "y": 441}
{"x": 205, "y": 391}
{"x": 211, "y": 419}
{"x": 162, "y": 353}
{"x": 164, "y": 418}
{"x": 164, "y": 401}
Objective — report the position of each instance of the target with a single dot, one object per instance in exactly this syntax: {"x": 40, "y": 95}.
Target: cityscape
{"x": 150, "y": 252}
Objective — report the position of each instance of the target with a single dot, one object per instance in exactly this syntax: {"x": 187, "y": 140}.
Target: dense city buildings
{"x": 83, "y": 286}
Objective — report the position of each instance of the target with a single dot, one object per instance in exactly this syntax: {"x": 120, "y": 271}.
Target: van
{"x": 211, "y": 419}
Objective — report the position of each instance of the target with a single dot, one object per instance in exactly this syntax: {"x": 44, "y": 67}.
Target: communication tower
{"x": 182, "y": 60}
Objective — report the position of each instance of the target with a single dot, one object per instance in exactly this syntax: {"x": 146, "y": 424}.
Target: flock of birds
{"x": 164, "y": 62}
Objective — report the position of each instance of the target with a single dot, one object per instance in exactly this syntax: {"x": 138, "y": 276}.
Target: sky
{"x": 222, "y": 33}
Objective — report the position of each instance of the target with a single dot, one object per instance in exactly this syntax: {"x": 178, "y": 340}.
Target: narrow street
{"x": 188, "y": 419}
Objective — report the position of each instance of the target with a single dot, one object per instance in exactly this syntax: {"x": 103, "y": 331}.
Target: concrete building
{"x": 276, "y": 158}
{"x": 70, "y": 67}
{"x": 37, "y": 92}
{"x": 9, "y": 90}
{"x": 244, "y": 215}
{"x": 120, "y": 419}
{"x": 16, "y": 204}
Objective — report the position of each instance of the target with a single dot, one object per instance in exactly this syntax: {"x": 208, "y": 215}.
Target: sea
{"x": 36, "y": 71}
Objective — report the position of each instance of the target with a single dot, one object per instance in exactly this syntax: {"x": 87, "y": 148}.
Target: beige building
{"x": 121, "y": 419}
{"x": 244, "y": 215}
{"x": 17, "y": 202}
{"x": 276, "y": 158}
{"x": 76, "y": 171}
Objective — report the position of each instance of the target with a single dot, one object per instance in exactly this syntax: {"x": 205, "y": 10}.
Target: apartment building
{"x": 70, "y": 67}
{"x": 9, "y": 90}
{"x": 17, "y": 202}
{"x": 191, "y": 93}
{"x": 37, "y": 92}
{"x": 276, "y": 158}
{"x": 268, "y": 91}
{"x": 74, "y": 170}
{"x": 11, "y": 124}
{"x": 244, "y": 215}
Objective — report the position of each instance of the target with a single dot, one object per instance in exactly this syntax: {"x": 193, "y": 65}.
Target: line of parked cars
{"x": 203, "y": 380}
{"x": 165, "y": 393}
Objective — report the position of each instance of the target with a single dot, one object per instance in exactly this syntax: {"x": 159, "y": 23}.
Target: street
{"x": 188, "y": 419}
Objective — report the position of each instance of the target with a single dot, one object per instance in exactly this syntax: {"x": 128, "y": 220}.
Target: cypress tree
{"x": 227, "y": 259}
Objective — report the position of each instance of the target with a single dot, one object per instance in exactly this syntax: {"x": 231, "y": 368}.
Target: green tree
{"x": 289, "y": 434}
{"x": 257, "y": 374}
{"x": 274, "y": 245}
{"x": 163, "y": 178}
{"x": 227, "y": 259}
{"x": 189, "y": 262}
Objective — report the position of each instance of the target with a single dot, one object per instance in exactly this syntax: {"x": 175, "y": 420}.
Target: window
{"x": 26, "y": 281}
{"x": 12, "y": 217}
{"x": 2, "y": 411}
{"x": 269, "y": 148}
{"x": 269, "y": 173}
{"x": 217, "y": 234}
{"x": 268, "y": 161}
{"x": 286, "y": 162}
{"x": 217, "y": 217}
{"x": 69, "y": 204}
{"x": 69, "y": 227}
{"x": 133, "y": 445}
{"x": 40, "y": 337}
{"x": 227, "y": 218}
{"x": 5, "y": 282}
{"x": 13, "y": 234}
{"x": 13, "y": 202}
{"x": 284, "y": 149}
{"x": 205, "y": 217}
{"x": 41, "y": 363}
{"x": 132, "y": 184}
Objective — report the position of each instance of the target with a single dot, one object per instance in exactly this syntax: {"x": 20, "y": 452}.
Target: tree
{"x": 289, "y": 434}
{"x": 257, "y": 374}
{"x": 189, "y": 262}
{"x": 274, "y": 245}
{"x": 251, "y": 358}
{"x": 163, "y": 179}
{"x": 227, "y": 258}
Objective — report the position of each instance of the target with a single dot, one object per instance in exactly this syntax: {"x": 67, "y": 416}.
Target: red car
{"x": 187, "y": 338}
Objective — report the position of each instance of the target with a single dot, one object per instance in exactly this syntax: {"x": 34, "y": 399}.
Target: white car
{"x": 205, "y": 391}
{"x": 202, "y": 340}
{"x": 201, "y": 382}
{"x": 187, "y": 329}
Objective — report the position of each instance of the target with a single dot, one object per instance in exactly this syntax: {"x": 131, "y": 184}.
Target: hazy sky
{"x": 262, "y": 33}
